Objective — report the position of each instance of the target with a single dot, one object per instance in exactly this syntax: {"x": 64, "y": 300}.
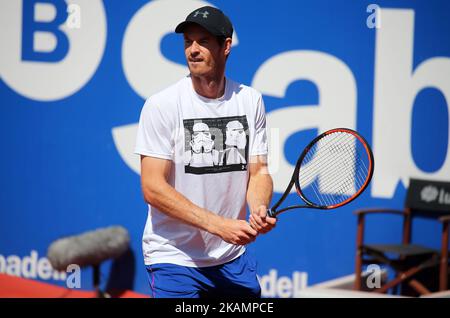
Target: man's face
{"x": 204, "y": 55}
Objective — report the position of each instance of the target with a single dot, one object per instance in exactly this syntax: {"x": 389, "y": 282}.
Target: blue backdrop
{"x": 75, "y": 74}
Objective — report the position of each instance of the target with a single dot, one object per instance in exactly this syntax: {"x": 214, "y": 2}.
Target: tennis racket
{"x": 333, "y": 170}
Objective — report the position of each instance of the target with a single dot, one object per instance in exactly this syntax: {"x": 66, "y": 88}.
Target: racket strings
{"x": 323, "y": 162}
{"x": 333, "y": 169}
{"x": 320, "y": 156}
{"x": 337, "y": 181}
{"x": 342, "y": 181}
{"x": 353, "y": 165}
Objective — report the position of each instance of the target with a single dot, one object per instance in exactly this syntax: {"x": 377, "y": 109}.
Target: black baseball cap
{"x": 210, "y": 18}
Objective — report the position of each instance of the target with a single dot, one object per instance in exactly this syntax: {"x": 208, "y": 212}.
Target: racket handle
{"x": 271, "y": 213}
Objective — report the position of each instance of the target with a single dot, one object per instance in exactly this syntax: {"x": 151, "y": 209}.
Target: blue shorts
{"x": 236, "y": 278}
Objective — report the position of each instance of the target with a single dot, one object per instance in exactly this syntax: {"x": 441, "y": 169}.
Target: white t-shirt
{"x": 209, "y": 142}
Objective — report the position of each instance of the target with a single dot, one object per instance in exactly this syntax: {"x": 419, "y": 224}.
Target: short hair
{"x": 221, "y": 40}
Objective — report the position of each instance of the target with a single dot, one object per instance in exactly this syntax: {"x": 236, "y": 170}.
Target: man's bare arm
{"x": 160, "y": 194}
{"x": 259, "y": 194}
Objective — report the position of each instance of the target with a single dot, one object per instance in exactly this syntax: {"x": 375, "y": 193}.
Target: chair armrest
{"x": 445, "y": 218}
{"x": 379, "y": 211}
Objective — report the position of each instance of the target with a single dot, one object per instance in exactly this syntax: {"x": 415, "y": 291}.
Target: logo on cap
{"x": 204, "y": 13}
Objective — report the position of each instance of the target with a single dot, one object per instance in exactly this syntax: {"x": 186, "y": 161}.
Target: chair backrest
{"x": 428, "y": 198}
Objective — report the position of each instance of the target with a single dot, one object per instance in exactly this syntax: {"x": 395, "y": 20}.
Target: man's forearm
{"x": 259, "y": 192}
{"x": 166, "y": 199}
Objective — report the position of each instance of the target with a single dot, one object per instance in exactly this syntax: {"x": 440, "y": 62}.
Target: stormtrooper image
{"x": 236, "y": 140}
{"x": 202, "y": 153}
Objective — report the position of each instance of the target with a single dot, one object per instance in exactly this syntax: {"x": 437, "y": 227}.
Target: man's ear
{"x": 227, "y": 45}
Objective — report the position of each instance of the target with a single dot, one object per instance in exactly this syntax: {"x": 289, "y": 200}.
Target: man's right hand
{"x": 237, "y": 232}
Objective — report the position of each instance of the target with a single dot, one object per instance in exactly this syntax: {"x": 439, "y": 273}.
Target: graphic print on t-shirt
{"x": 214, "y": 145}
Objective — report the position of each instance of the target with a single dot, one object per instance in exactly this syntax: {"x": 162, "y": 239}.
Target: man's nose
{"x": 195, "y": 48}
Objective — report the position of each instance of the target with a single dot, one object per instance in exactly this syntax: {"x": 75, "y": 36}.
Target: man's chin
{"x": 198, "y": 71}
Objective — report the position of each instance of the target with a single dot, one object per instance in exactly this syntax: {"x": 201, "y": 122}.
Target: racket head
{"x": 334, "y": 169}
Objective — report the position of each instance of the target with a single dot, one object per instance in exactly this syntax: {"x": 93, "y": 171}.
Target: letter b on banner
{"x": 46, "y": 60}
{"x": 49, "y": 31}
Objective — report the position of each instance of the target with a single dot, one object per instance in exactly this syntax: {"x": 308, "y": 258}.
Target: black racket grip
{"x": 271, "y": 213}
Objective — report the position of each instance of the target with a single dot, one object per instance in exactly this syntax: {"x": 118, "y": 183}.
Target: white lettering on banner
{"x": 444, "y": 197}
{"x": 284, "y": 286}
{"x": 31, "y": 266}
{"x": 125, "y": 139}
{"x": 337, "y": 101}
{"x": 55, "y": 67}
{"x": 145, "y": 68}
{"x": 396, "y": 86}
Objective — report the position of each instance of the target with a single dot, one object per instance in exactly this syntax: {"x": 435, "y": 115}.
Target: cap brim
{"x": 183, "y": 25}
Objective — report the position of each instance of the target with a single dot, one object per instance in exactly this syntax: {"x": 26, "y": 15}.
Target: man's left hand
{"x": 260, "y": 221}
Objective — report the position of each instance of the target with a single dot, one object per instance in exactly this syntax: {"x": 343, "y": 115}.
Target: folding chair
{"x": 409, "y": 261}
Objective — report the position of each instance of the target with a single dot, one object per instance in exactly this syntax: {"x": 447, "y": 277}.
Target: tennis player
{"x": 203, "y": 149}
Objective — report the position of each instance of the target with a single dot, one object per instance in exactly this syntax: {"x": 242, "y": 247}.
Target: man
{"x": 196, "y": 232}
